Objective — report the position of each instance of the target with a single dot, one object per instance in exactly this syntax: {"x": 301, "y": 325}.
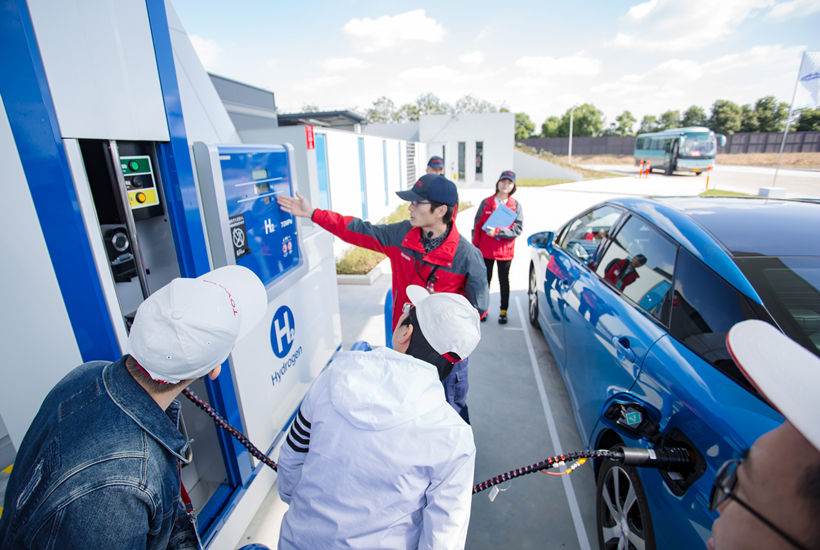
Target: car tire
{"x": 532, "y": 295}
{"x": 621, "y": 508}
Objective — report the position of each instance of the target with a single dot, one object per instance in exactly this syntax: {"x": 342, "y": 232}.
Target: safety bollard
{"x": 648, "y": 168}
{"x": 640, "y": 170}
{"x": 708, "y": 174}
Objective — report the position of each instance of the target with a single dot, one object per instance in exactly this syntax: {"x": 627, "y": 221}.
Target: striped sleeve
{"x": 299, "y": 436}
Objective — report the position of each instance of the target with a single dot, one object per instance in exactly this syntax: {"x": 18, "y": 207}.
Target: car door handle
{"x": 623, "y": 348}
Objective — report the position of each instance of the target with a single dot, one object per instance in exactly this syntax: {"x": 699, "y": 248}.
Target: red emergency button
{"x": 140, "y": 197}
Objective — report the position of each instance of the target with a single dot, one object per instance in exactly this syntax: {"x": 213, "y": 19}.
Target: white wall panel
{"x": 101, "y": 68}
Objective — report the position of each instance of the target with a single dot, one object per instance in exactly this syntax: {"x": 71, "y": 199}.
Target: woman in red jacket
{"x": 497, "y": 244}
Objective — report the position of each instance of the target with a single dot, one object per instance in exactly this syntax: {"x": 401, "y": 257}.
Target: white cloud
{"x": 473, "y": 58}
{"x": 337, "y": 64}
{"x": 794, "y": 8}
{"x": 675, "y": 26}
{"x": 482, "y": 34}
{"x": 639, "y": 12}
{"x": 389, "y": 31}
{"x": 320, "y": 83}
{"x": 573, "y": 65}
{"x": 208, "y": 51}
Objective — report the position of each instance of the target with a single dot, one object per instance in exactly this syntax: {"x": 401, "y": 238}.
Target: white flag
{"x": 809, "y": 75}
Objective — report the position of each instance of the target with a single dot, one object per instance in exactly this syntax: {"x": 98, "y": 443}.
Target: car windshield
{"x": 790, "y": 289}
{"x": 698, "y": 145}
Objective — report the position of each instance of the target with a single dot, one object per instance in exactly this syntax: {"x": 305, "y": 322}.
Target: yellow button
{"x": 140, "y": 198}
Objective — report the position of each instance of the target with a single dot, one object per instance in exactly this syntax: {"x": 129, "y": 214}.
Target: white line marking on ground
{"x": 513, "y": 328}
{"x": 580, "y": 530}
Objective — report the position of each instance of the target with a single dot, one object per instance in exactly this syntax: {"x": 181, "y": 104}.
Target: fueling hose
{"x": 662, "y": 458}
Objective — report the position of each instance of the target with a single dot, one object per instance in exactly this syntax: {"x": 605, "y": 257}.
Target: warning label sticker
{"x": 239, "y": 236}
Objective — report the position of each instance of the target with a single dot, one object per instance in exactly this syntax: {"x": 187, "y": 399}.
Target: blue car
{"x": 635, "y": 297}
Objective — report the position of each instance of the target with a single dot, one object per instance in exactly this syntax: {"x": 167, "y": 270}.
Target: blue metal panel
{"x": 363, "y": 178}
{"x": 183, "y": 212}
{"x": 33, "y": 121}
{"x": 384, "y": 159}
{"x": 321, "y": 169}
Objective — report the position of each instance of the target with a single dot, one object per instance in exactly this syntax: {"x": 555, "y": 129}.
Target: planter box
{"x": 368, "y": 278}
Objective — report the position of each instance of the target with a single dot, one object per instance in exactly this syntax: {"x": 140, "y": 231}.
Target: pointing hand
{"x": 298, "y": 205}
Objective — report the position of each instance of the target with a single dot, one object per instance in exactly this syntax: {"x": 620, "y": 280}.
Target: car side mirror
{"x": 542, "y": 239}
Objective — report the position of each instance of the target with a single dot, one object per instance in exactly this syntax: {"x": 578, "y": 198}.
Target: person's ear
{"x": 440, "y": 211}
{"x": 404, "y": 333}
{"x": 215, "y": 372}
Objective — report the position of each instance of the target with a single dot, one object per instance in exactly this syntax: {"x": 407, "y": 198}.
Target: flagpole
{"x": 788, "y": 120}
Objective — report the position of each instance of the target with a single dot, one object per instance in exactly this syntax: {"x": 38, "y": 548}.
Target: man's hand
{"x": 298, "y": 205}
{"x": 492, "y": 231}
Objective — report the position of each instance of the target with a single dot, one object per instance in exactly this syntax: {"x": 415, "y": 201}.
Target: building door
{"x": 363, "y": 178}
{"x": 479, "y": 161}
{"x": 321, "y": 170}
{"x": 462, "y": 160}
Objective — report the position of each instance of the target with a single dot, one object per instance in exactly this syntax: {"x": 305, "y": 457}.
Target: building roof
{"x": 322, "y": 118}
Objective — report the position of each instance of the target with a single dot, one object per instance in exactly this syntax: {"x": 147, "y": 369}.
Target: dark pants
{"x": 455, "y": 389}
{"x": 503, "y": 279}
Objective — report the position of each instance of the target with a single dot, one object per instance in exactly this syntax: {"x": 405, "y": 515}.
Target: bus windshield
{"x": 698, "y": 146}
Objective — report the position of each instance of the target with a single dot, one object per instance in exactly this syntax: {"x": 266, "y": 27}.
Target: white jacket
{"x": 376, "y": 458}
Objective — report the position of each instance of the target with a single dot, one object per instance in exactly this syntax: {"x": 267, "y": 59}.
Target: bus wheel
{"x": 698, "y": 172}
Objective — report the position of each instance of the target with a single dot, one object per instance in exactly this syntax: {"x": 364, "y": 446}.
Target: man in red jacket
{"x": 427, "y": 251}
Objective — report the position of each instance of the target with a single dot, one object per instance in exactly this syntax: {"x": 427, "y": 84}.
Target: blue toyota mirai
{"x": 635, "y": 297}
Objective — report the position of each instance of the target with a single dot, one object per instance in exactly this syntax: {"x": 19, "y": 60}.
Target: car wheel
{"x": 624, "y": 521}
{"x": 532, "y": 294}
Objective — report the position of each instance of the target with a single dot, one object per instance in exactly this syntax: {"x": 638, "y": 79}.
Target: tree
{"x": 430, "y": 104}
{"x": 383, "y": 110}
{"x": 409, "y": 112}
{"x": 624, "y": 124}
{"x": 649, "y": 123}
{"x": 470, "y": 104}
{"x": 771, "y": 115}
{"x": 748, "y": 119}
{"x": 726, "y": 117}
{"x": 550, "y": 127}
{"x": 586, "y": 121}
{"x": 694, "y": 116}
{"x": 309, "y": 108}
{"x": 669, "y": 119}
{"x": 523, "y": 126}
{"x": 809, "y": 120}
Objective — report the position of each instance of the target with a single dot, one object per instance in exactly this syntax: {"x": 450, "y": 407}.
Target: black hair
{"x": 448, "y": 216}
{"x": 141, "y": 376}
{"x": 515, "y": 187}
{"x": 420, "y": 348}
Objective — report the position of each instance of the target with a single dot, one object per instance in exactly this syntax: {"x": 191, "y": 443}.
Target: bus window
{"x": 698, "y": 145}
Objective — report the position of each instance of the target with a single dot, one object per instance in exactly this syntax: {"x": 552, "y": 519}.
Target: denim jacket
{"x": 98, "y": 468}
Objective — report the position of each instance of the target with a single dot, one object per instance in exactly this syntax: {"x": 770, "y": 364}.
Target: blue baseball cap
{"x": 432, "y": 187}
{"x": 435, "y": 162}
{"x": 507, "y": 175}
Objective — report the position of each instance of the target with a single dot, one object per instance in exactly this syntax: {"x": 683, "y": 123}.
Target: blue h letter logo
{"x": 282, "y": 331}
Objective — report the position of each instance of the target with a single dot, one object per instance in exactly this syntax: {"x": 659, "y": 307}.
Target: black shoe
{"x": 502, "y": 318}
{"x": 483, "y": 319}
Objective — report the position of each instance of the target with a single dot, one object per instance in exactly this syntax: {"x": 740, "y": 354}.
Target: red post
{"x": 640, "y": 170}
{"x": 648, "y": 167}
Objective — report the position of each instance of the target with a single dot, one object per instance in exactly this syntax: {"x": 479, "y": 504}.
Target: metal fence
{"x": 747, "y": 142}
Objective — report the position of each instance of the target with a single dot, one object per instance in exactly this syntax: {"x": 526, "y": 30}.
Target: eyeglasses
{"x": 416, "y": 203}
{"x": 405, "y": 309}
{"x": 723, "y": 488}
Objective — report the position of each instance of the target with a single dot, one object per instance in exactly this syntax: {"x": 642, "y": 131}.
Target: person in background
{"x": 425, "y": 250}
{"x": 769, "y": 497}
{"x": 376, "y": 458}
{"x": 622, "y": 272}
{"x": 435, "y": 165}
{"x": 497, "y": 244}
{"x": 99, "y": 467}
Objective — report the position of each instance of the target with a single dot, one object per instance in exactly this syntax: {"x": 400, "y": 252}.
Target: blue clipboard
{"x": 501, "y": 218}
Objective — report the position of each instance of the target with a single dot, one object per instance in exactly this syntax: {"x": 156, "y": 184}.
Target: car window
{"x": 704, "y": 308}
{"x": 639, "y": 263}
{"x": 583, "y": 235}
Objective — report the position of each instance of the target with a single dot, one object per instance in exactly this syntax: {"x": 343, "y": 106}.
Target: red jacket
{"x": 502, "y": 246}
{"x": 614, "y": 273}
{"x": 454, "y": 266}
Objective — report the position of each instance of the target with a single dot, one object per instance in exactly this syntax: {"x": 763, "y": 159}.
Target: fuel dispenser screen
{"x": 263, "y": 237}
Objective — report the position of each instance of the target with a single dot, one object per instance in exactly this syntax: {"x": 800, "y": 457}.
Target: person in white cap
{"x": 376, "y": 457}
{"x": 99, "y": 467}
{"x": 770, "y": 497}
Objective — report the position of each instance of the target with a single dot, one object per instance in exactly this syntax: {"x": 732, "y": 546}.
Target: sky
{"x": 539, "y": 58}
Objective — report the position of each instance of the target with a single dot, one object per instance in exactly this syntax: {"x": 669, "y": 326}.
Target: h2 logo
{"x": 282, "y": 331}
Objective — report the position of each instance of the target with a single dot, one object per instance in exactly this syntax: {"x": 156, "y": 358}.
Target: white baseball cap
{"x": 785, "y": 372}
{"x": 449, "y": 323}
{"x": 188, "y": 327}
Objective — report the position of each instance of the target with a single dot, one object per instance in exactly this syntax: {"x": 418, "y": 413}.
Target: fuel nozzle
{"x": 675, "y": 459}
